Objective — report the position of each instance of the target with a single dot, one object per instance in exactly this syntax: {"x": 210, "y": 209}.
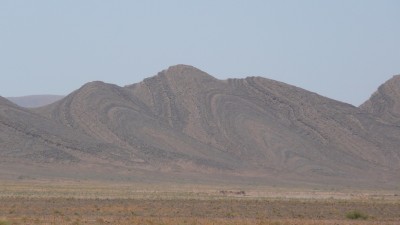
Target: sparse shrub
{"x": 355, "y": 215}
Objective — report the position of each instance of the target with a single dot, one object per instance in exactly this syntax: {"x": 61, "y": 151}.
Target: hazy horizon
{"x": 339, "y": 49}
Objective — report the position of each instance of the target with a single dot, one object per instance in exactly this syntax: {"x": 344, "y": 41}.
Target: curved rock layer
{"x": 183, "y": 119}
{"x": 27, "y": 137}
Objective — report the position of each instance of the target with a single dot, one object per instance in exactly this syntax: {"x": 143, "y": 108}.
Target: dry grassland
{"x": 42, "y": 203}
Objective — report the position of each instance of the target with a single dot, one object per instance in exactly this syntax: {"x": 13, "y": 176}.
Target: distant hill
{"x": 33, "y": 101}
{"x": 184, "y": 122}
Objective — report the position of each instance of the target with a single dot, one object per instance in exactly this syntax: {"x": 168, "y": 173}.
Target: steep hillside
{"x": 385, "y": 102}
{"x": 184, "y": 120}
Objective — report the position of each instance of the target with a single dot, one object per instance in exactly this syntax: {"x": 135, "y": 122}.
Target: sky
{"x": 341, "y": 49}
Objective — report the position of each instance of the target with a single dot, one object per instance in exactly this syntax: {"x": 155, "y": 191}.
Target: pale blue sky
{"x": 342, "y": 49}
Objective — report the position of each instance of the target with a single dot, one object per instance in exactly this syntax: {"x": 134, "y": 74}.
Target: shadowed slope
{"x": 385, "y": 102}
{"x": 186, "y": 120}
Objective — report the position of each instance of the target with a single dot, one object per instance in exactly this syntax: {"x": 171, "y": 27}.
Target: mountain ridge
{"x": 183, "y": 120}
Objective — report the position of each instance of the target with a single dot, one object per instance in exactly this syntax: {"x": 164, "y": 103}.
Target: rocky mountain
{"x": 27, "y": 137}
{"x": 33, "y": 101}
{"x": 385, "y": 103}
{"x": 184, "y": 121}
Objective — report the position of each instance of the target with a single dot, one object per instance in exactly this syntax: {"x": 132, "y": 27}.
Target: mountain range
{"x": 185, "y": 123}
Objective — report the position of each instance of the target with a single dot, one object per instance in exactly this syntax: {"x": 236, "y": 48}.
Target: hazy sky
{"x": 340, "y": 49}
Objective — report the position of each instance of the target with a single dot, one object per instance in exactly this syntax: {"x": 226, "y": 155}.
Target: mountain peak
{"x": 96, "y": 86}
{"x": 385, "y": 102}
{"x": 181, "y": 68}
{"x": 181, "y": 71}
{"x": 93, "y": 84}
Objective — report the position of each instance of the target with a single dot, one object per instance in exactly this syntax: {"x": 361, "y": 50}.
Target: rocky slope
{"x": 185, "y": 122}
{"x": 385, "y": 103}
{"x": 27, "y": 137}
